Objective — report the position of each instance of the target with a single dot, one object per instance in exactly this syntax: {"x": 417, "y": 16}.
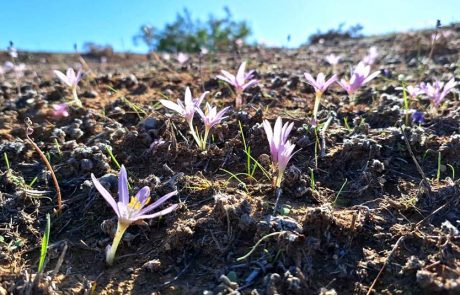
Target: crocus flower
{"x": 371, "y": 56}
{"x": 360, "y": 76}
{"x": 320, "y": 85}
{"x": 280, "y": 147}
{"x": 239, "y": 42}
{"x": 332, "y": 59}
{"x": 413, "y": 91}
{"x": 60, "y": 110}
{"x": 186, "y": 109}
{"x": 71, "y": 80}
{"x": 210, "y": 118}
{"x": 182, "y": 57}
{"x": 241, "y": 81}
{"x": 130, "y": 210}
{"x": 437, "y": 91}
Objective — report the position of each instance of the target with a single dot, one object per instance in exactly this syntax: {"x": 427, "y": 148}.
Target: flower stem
{"x": 316, "y": 107}
{"x": 110, "y": 256}
{"x": 204, "y": 139}
{"x": 195, "y": 136}
{"x": 76, "y": 100}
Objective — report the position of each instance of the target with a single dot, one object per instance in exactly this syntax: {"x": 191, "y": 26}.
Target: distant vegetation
{"x": 188, "y": 35}
{"x": 337, "y": 34}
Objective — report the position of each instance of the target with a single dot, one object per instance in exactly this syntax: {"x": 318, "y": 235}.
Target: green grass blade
{"x": 44, "y": 249}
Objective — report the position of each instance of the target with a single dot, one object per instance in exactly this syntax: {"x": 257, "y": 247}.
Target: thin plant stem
{"x": 47, "y": 163}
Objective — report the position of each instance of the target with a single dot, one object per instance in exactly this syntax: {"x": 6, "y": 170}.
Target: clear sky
{"x": 55, "y": 25}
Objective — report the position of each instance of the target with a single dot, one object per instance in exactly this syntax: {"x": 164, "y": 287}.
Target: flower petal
{"x": 123, "y": 193}
{"x": 172, "y": 106}
{"x": 158, "y": 214}
{"x": 157, "y": 203}
{"x": 62, "y": 77}
{"x": 107, "y": 196}
{"x": 143, "y": 194}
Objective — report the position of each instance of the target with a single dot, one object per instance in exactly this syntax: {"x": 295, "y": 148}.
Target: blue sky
{"x": 55, "y": 25}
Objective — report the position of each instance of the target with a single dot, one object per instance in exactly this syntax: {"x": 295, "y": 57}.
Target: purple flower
{"x": 70, "y": 78}
{"x": 413, "y": 91}
{"x": 360, "y": 76}
{"x": 371, "y": 56}
{"x": 333, "y": 59}
{"x": 280, "y": 147}
{"x": 320, "y": 84}
{"x": 60, "y": 110}
{"x": 418, "y": 117}
{"x": 437, "y": 91}
{"x": 241, "y": 81}
{"x": 186, "y": 109}
{"x": 130, "y": 210}
{"x": 212, "y": 117}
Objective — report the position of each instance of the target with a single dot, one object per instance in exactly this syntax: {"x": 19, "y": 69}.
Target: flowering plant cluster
{"x": 210, "y": 116}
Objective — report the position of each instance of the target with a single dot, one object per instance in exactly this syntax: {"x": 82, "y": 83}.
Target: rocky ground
{"x": 373, "y": 203}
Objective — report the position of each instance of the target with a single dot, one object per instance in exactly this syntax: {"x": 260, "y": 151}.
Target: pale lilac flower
{"x": 70, "y": 78}
{"x": 320, "y": 84}
{"x": 130, "y": 209}
{"x": 186, "y": 109}
{"x": 241, "y": 81}
{"x": 211, "y": 117}
{"x": 413, "y": 91}
{"x": 437, "y": 91}
{"x": 281, "y": 149}
{"x": 239, "y": 42}
{"x": 371, "y": 56}
{"x": 333, "y": 59}
{"x": 60, "y": 110}
{"x": 360, "y": 76}
{"x": 182, "y": 57}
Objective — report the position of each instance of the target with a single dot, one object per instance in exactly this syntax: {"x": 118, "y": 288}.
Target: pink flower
{"x": 413, "y": 91}
{"x": 333, "y": 59}
{"x": 60, "y": 110}
{"x": 437, "y": 91}
{"x": 371, "y": 56}
{"x": 212, "y": 117}
{"x": 240, "y": 81}
{"x": 280, "y": 147}
{"x": 360, "y": 76}
{"x": 182, "y": 57}
{"x": 186, "y": 109}
{"x": 239, "y": 42}
{"x": 320, "y": 84}
{"x": 70, "y": 78}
